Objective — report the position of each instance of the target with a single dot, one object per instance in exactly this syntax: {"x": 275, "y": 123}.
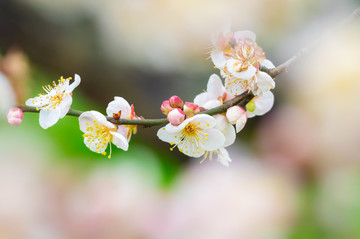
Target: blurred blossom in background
{"x": 295, "y": 172}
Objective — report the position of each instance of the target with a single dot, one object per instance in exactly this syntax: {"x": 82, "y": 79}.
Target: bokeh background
{"x": 295, "y": 172}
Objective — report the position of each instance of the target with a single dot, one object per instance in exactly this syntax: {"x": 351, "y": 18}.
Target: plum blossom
{"x": 239, "y": 57}
{"x": 55, "y": 104}
{"x": 194, "y": 136}
{"x": 260, "y": 104}
{"x": 99, "y": 133}
{"x": 119, "y": 108}
{"x": 214, "y": 95}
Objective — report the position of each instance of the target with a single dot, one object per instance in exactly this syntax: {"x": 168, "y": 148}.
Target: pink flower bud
{"x": 176, "y": 102}
{"x": 176, "y": 116}
{"x": 233, "y": 114}
{"x": 165, "y": 107}
{"x": 191, "y": 108}
{"x": 15, "y": 116}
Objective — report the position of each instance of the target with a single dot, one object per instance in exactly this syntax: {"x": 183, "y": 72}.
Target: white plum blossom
{"x": 260, "y": 104}
{"x": 215, "y": 94}
{"x": 55, "y": 104}
{"x": 239, "y": 57}
{"x": 194, "y": 136}
{"x": 99, "y": 133}
{"x": 119, "y": 108}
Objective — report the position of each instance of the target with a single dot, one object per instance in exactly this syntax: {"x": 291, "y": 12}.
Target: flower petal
{"x": 202, "y": 98}
{"x": 38, "y": 101}
{"x": 230, "y": 135}
{"x": 223, "y": 157}
{"x": 245, "y": 74}
{"x": 165, "y": 136}
{"x": 215, "y": 86}
{"x": 48, "y": 118}
{"x": 218, "y": 58}
{"x": 203, "y": 121}
{"x": 76, "y": 82}
{"x": 96, "y": 144}
{"x": 236, "y": 86}
{"x": 65, "y": 105}
{"x": 215, "y": 139}
{"x": 118, "y": 104}
{"x": 120, "y": 141}
{"x": 240, "y": 123}
{"x": 264, "y": 83}
{"x": 268, "y": 64}
{"x": 191, "y": 148}
{"x": 212, "y": 104}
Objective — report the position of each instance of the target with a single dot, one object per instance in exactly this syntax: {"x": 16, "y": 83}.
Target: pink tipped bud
{"x": 15, "y": 116}
{"x": 165, "y": 107}
{"x": 233, "y": 114}
{"x": 176, "y": 116}
{"x": 176, "y": 102}
{"x": 191, "y": 108}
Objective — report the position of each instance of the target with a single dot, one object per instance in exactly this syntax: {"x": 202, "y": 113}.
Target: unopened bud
{"x": 15, "y": 116}
{"x": 176, "y": 102}
{"x": 233, "y": 114}
{"x": 191, "y": 108}
{"x": 176, "y": 116}
{"x": 165, "y": 107}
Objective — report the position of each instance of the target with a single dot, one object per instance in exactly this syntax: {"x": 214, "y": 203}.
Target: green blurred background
{"x": 295, "y": 171}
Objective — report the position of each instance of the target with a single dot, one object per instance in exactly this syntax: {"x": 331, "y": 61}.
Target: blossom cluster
{"x": 190, "y": 129}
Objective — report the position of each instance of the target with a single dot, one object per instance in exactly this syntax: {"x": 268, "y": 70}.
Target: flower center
{"x": 190, "y": 129}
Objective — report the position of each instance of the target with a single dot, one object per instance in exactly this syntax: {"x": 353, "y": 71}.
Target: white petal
{"x": 218, "y": 58}
{"x": 96, "y": 144}
{"x": 76, "y": 82}
{"x": 118, "y": 104}
{"x": 168, "y": 137}
{"x": 223, "y": 157}
{"x": 123, "y": 130}
{"x": 221, "y": 122}
{"x": 91, "y": 116}
{"x": 175, "y": 129}
{"x": 263, "y": 103}
{"x": 241, "y": 123}
{"x": 38, "y": 101}
{"x": 242, "y": 35}
{"x": 215, "y": 139}
{"x": 215, "y": 86}
{"x": 120, "y": 141}
{"x": 264, "y": 83}
{"x": 268, "y": 64}
{"x": 191, "y": 149}
{"x": 202, "y": 98}
{"x": 245, "y": 74}
{"x": 230, "y": 135}
{"x": 49, "y": 117}
{"x": 212, "y": 104}
{"x": 86, "y": 121}
{"x": 236, "y": 86}
{"x": 204, "y": 121}
{"x": 65, "y": 105}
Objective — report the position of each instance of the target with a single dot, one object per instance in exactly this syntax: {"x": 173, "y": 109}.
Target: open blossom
{"x": 99, "y": 133}
{"x": 194, "y": 136}
{"x": 119, "y": 108}
{"x": 221, "y": 154}
{"x": 215, "y": 94}
{"x": 55, "y": 104}
{"x": 239, "y": 57}
{"x": 260, "y": 104}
